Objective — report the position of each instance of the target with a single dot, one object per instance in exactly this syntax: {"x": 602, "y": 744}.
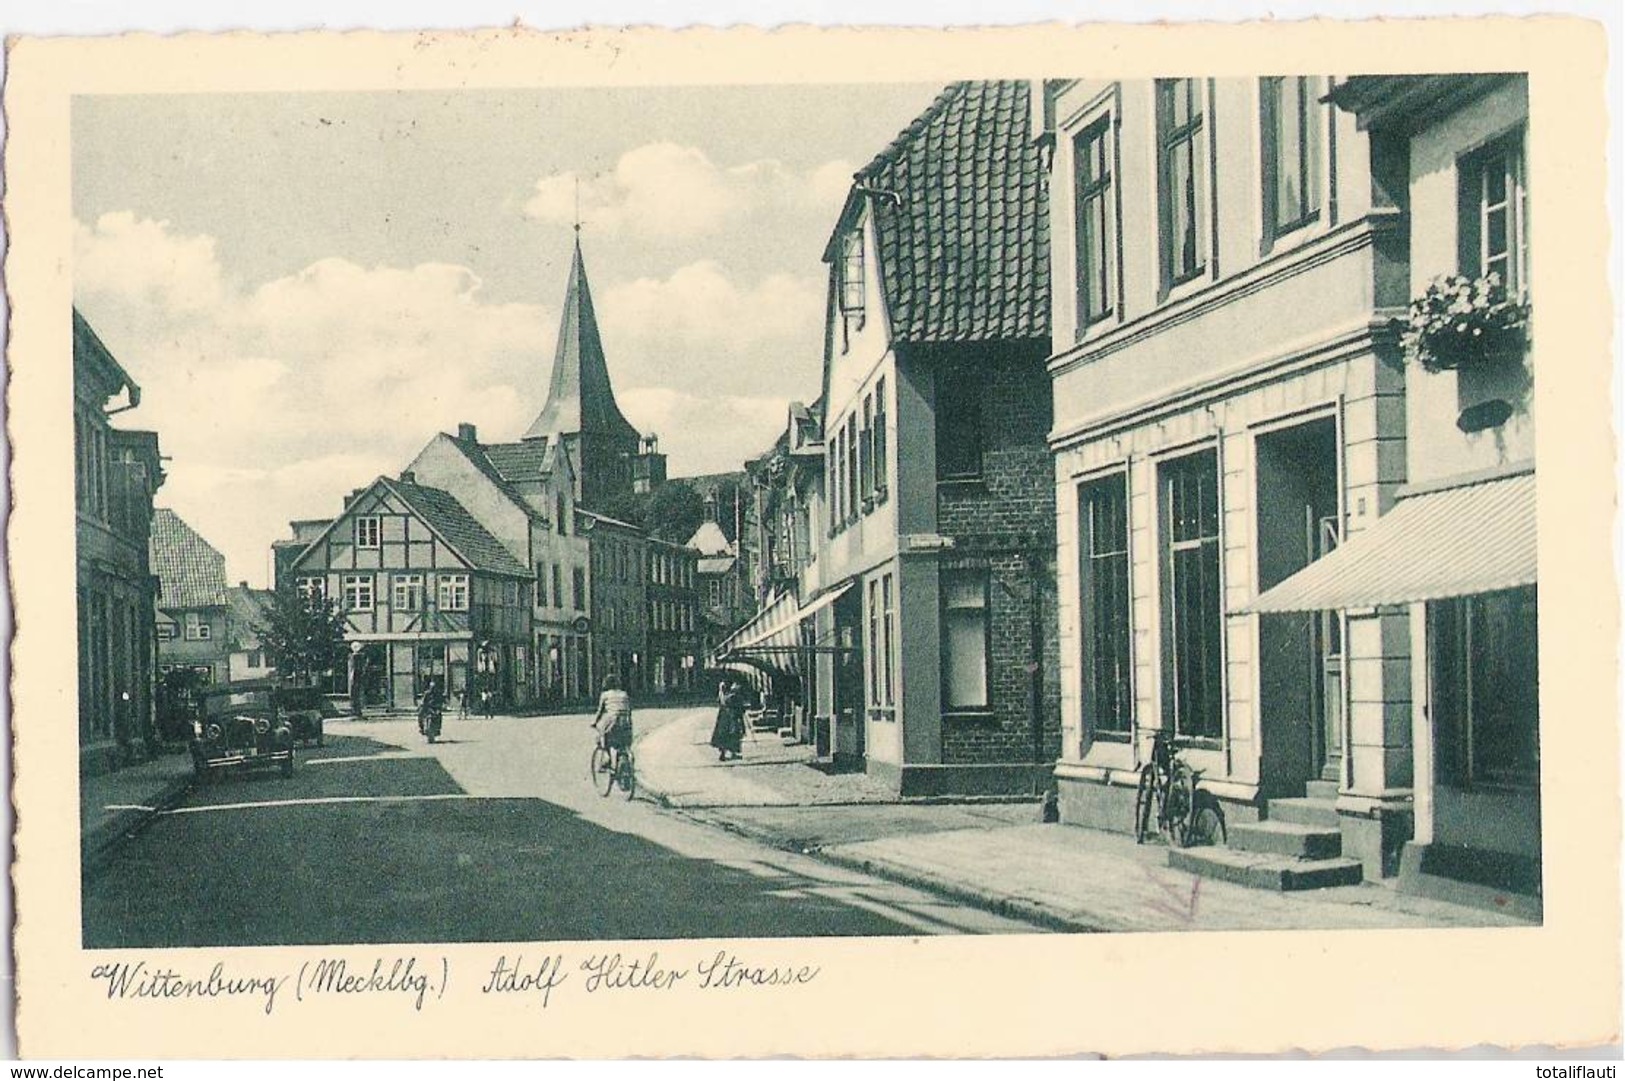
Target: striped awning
{"x": 1476, "y": 536}
{"x": 773, "y": 637}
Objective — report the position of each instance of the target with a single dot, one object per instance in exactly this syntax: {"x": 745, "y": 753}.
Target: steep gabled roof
{"x": 709, "y": 540}
{"x": 447, "y": 517}
{"x": 191, "y": 573}
{"x": 516, "y": 462}
{"x": 249, "y": 610}
{"x": 580, "y": 397}
{"x": 960, "y": 206}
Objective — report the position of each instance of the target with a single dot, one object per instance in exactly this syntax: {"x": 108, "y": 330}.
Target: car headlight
{"x": 214, "y": 731}
{"x": 262, "y": 726}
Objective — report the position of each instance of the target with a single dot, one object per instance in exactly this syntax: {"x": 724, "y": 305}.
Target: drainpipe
{"x": 1035, "y": 664}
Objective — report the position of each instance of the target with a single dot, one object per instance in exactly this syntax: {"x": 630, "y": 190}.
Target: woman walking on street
{"x": 728, "y": 735}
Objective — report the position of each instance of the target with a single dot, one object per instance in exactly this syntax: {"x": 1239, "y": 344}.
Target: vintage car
{"x": 304, "y": 708}
{"x": 242, "y": 728}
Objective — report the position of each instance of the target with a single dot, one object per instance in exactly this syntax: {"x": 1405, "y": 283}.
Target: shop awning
{"x": 773, "y": 637}
{"x": 1472, "y": 537}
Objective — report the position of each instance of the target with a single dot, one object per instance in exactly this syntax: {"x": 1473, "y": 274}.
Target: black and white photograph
{"x": 533, "y": 516}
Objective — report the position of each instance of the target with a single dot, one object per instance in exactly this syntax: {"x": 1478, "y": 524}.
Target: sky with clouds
{"x": 309, "y": 287}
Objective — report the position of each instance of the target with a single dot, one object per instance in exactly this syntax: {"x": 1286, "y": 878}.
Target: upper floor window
{"x": 198, "y": 629}
{"x": 851, "y": 272}
{"x": 1181, "y": 180}
{"x": 367, "y": 531}
{"x": 560, "y": 520}
{"x": 408, "y": 592}
{"x": 852, "y": 466}
{"x": 1095, "y": 224}
{"x": 578, "y": 588}
{"x": 1293, "y": 130}
{"x": 453, "y": 595}
{"x": 166, "y": 632}
{"x": 959, "y": 425}
{"x": 558, "y": 586}
{"x": 1493, "y": 229}
{"x": 312, "y": 588}
{"x": 358, "y": 592}
{"x": 879, "y": 451}
{"x": 866, "y": 448}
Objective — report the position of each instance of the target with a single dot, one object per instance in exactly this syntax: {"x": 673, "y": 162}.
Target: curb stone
{"x": 100, "y": 844}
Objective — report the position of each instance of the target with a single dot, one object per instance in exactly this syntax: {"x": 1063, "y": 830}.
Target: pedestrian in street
{"x": 728, "y": 734}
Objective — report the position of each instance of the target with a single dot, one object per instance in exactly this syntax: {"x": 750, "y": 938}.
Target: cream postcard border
{"x": 1041, "y": 995}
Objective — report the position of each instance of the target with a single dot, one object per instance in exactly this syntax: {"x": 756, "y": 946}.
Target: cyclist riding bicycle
{"x": 613, "y": 722}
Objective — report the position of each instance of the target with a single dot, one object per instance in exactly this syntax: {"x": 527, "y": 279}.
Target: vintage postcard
{"x": 640, "y": 543}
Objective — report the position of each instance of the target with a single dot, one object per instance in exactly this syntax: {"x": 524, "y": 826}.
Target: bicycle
{"x": 611, "y": 767}
{"x": 1186, "y": 815}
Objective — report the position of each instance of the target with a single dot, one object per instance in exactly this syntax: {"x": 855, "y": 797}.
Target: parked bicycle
{"x": 1170, "y": 793}
{"x": 612, "y": 767}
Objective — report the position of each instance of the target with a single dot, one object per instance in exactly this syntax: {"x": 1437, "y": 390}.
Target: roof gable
{"x": 440, "y": 511}
{"x": 959, "y": 202}
{"x": 191, "y": 573}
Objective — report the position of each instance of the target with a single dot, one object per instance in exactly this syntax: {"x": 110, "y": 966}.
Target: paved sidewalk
{"x": 113, "y": 805}
{"x": 996, "y": 856}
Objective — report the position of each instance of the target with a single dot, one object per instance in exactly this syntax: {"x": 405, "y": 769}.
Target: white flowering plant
{"x": 1463, "y": 321}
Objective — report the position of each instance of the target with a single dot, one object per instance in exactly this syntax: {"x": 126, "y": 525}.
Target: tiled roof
{"x": 478, "y": 456}
{"x": 249, "y": 610}
{"x": 190, "y": 572}
{"x": 519, "y": 461}
{"x": 453, "y": 522}
{"x": 960, "y": 204}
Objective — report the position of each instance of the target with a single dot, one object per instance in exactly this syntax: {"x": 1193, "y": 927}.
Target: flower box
{"x": 1463, "y": 323}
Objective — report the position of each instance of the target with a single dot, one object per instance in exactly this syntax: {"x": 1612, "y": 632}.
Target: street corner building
{"x": 426, "y": 591}
{"x": 911, "y": 580}
{"x": 116, "y": 473}
{"x": 1282, "y": 538}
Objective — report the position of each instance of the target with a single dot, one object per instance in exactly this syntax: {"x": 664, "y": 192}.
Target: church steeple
{"x": 580, "y": 398}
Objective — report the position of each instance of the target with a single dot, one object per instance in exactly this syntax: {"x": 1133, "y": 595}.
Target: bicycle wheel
{"x": 1207, "y": 821}
{"x": 1142, "y": 803}
{"x": 598, "y": 766}
{"x": 626, "y": 774}
{"x": 1181, "y": 787}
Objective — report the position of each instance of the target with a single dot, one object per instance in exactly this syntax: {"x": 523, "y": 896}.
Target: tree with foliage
{"x": 675, "y": 512}
{"x": 303, "y": 636}
{"x": 629, "y": 507}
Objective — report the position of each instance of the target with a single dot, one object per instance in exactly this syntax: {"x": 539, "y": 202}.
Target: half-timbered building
{"x": 426, "y": 591}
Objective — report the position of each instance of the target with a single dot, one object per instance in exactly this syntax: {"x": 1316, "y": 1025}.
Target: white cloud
{"x": 700, "y": 304}
{"x": 662, "y": 189}
{"x": 140, "y": 258}
{"x": 272, "y": 401}
{"x": 706, "y": 433}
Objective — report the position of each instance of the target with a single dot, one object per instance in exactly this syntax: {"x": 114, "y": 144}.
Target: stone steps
{"x": 1264, "y": 871}
{"x": 1297, "y": 846}
{"x": 1275, "y": 838}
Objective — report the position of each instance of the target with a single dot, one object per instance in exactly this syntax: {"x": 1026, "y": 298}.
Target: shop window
{"x": 1292, "y": 134}
{"x": 1095, "y": 224}
{"x": 1192, "y": 621}
{"x": 1485, "y": 688}
{"x": 964, "y": 639}
{"x": 1104, "y": 603}
{"x": 888, "y": 620}
{"x": 874, "y": 641}
{"x": 1493, "y": 226}
{"x": 959, "y": 425}
{"x": 1181, "y": 180}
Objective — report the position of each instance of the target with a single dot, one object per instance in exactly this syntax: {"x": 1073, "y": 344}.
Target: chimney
{"x": 467, "y": 433}
{"x": 408, "y": 477}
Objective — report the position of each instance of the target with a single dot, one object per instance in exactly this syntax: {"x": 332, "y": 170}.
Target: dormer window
{"x": 851, "y": 275}
{"x": 366, "y": 531}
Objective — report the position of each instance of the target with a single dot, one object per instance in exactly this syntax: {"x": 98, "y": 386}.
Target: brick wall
{"x": 995, "y": 523}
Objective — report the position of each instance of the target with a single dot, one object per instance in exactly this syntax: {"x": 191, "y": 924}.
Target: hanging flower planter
{"x": 1463, "y": 322}
{"x": 1472, "y": 327}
